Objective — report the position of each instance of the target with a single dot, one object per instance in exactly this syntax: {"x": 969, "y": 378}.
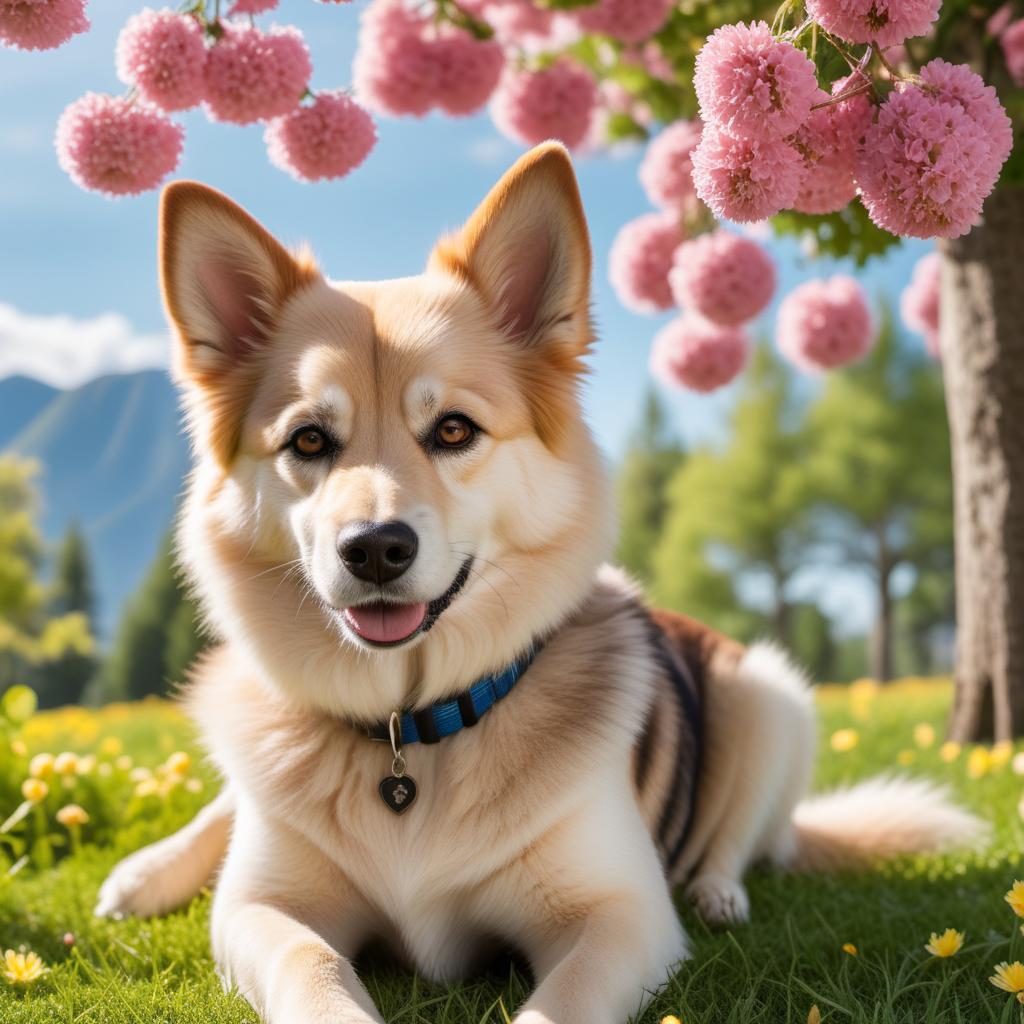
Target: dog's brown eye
{"x": 309, "y": 443}
{"x": 454, "y": 432}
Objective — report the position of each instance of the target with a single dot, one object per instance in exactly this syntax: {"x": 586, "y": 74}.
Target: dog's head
{"x": 394, "y": 490}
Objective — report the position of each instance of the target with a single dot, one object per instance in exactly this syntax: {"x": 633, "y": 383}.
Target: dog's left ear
{"x": 526, "y": 250}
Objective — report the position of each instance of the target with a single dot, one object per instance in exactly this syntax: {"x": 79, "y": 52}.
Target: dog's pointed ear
{"x": 224, "y": 278}
{"x": 527, "y": 252}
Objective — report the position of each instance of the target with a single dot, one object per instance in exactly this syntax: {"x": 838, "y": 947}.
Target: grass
{"x": 771, "y": 971}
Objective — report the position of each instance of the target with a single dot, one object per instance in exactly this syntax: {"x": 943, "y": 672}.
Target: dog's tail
{"x": 882, "y": 817}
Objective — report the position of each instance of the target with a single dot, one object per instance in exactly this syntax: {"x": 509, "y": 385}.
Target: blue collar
{"x": 433, "y": 723}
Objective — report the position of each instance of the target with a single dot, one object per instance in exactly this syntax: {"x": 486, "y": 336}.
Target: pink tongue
{"x": 386, "y": 623}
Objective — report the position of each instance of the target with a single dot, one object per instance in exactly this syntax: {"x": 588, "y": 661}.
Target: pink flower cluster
{"x": 919, "y": 304}
{"x": 326, "y": 139}
{"x": 641, "y": 259}
{"x": 824, "y": 324}
{"x": 774, "y": 141}
{"x": 109, "y": 144}
{"x": 694, "y": 353}
{"x": 726, "y": 278}
{"x": 933, "y": 156}
{"x": 556, "y": 102}
{"x": 41, "y": 24}
{"x": 1012, "y": 41}
{"x": 406, "y": 64}
{"x": 667, "y": 169}
{"x": 886, "y": 22}
{"x": 629, "y": 21}
{"x": 240, "y": 73}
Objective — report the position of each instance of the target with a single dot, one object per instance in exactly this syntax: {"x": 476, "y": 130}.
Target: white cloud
{"x": 490, "y": 151}
{"x": 65, "y": 353}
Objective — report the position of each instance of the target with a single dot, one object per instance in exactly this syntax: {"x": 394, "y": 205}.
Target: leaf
{"x": 19, "y": 704}
{"x": 17, "y": 817}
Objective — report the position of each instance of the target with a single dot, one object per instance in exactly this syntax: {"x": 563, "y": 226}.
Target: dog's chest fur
{"x": 492, "y": 800}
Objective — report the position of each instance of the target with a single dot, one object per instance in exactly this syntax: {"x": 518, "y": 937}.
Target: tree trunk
{"x": 983, "y": 364}
{"x": 881, "y": 636}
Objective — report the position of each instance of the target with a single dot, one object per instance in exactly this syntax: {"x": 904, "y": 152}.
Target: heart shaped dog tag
{"x": 398, "y": 792}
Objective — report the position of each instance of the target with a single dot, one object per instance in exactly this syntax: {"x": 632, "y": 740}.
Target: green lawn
{"x": 770, "y": 971}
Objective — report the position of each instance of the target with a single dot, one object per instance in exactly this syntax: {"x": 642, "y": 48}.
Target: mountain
{"x": 113, "y": 458}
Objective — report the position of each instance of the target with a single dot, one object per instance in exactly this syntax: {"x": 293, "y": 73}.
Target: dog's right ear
{"x": 224, "y": 279}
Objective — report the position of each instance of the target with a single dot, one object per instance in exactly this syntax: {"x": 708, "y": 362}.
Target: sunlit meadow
{"x": 850, "y": 948}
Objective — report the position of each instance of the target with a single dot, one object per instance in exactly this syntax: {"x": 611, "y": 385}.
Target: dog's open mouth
{"x": 388, "y": 624}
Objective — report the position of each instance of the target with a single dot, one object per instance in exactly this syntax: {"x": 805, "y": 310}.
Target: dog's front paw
{"x": 141, "y": 885}
{"x": 719, "y": 899}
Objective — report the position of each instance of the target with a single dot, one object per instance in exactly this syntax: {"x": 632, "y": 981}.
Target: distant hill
{"x": 113, "y": 458}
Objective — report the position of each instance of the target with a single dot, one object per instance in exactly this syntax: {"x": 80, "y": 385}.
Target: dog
{"x": 444, "y": 723}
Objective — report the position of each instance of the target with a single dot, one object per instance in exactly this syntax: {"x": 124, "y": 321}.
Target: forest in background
{"x": 851, "y": 477}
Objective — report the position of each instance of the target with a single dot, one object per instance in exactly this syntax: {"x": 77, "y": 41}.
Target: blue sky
{"x": 63, "y": 251}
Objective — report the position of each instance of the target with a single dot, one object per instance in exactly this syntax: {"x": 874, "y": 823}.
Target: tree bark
{"x": 881, "y": 636}
{"x": 982, "y": 339}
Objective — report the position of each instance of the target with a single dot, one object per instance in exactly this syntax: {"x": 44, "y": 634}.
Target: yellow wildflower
{"x": 1018, "y": 763}
{"x": 979, "y": 763}
{"x": 1001, "y": 753}
{"x": 1010, "y": 978}
{"x": 65, "y": 763}
{"x": 124, "y": 763}
{"x": 194, "y": 785}
{"x": 906, "y": 757}
{"x": 111, "y": 747}
{"x": 844, "y": 740}
{"x": 814, "y": 1017}
{"x": 19, "y": 749}
{"x": 178, "y": 763}
{"x": 22, "y": 968}
{"x": 849, "y": 947}
{"x": 946, "y": 944}
{"x": 86, "y": 764}
{"x": 41, "y": 766}
{"x": 1015, "y": 897}
{"x": 671, "y": 1019}
{"x": 949, "y": 751}
{"x": 147, "y": 787}
{"x": 924, "y": 735}
{"x": 34, "y": 790}
{"x": 140, "y": 774}
{"x": 72, "y": 815}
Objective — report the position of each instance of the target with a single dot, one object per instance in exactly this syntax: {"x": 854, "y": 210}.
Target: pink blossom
{"x": 828, "y": 142}
{"x": 557, "y": 102}
{"x": 958, "y": 83}
{"x": 252, "y": 6}
{"x": 640, "y": 261}
{"x": 919, "y": 303}
{"x": 629, "y": 21}
{"x": 326, "y": 139}
{"x": 41, "y": 24}
{"x": 393, "y": 71}
{"x": 667, "y": 169}
{"x": 1000, "y": 21}
{"x": 886, "y": 22}
{"x": 825, "y": 323}
{"x": 163, "y": 55}
{"x": 753, "y": 85}
{"x": 112, "y": 145}
{"x": 725, "y": 278}
{"x": 252, "y": 75}
{"x": 467, "y": 70}
{"x": 745, "y": 180}
{"x": 927, "y": 165}
{"x": 693, "y": 353}
{"x": 1012, "y": 41}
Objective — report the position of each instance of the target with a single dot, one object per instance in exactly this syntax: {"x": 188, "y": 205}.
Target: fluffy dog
{"x": 443, "y": 725}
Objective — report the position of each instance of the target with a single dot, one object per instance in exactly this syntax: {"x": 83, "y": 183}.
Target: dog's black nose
{"x": 377, "y": 552}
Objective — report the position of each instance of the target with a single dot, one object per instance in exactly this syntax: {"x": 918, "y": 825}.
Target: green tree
{"x": 737, "y": 516}
{"x": 157, "y": 633}
{"x": 878, "y": 465}
{"x": 653, "y": 457}
{"x": 64, "y": 681}
{"x": 31, "y": 635}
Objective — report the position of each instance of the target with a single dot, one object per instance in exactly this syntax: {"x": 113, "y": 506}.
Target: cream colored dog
{"x": 395, "y": 496}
